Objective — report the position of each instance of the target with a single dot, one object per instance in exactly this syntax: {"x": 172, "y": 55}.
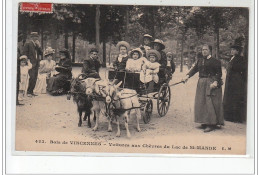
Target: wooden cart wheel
{"x": 148, "y": 110}
{"x": 163, "y": 100}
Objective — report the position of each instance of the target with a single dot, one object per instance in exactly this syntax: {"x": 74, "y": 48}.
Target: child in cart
{"x": 25, "y": 66}
{"x": 136, "y": 60}
{"x": 123, "y": 48}
{"x": 149, "y": 73}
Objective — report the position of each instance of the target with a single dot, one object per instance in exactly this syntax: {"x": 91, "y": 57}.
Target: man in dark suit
{"x": 32, "y": 50}
{"x": 234, "y": 101}
{"x": 91, "y": 65}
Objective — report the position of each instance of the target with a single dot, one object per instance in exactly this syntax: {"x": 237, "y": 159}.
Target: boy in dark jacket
{"x": 91, "y": 65}
{"x": 123, "y": 48}
{"x": 170, "y": 68}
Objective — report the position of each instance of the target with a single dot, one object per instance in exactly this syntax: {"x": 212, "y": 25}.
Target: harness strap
{"x": 120, "y": 103}
{"x": 125, "y": 97}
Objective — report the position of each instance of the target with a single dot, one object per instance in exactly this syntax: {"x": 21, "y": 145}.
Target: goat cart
{"x": 160, "y": 92}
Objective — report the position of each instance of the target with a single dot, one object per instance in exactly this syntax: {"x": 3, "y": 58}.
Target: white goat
{"x": 119, "y": 102}
{"x": 94, "y": 88}
{"x": 123, "y": 102}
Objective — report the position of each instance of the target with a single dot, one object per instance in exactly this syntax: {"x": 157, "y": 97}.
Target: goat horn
{"x": 113, "y": 82}
{"x": 118, "y": 84}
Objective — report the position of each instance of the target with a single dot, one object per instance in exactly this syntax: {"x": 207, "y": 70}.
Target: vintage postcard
{"x": 101, "y": 78}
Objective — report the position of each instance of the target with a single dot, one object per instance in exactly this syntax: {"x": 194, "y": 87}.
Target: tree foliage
{"x": 188, "y": 27}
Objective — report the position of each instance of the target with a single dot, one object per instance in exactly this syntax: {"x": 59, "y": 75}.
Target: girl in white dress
{"x": 135, "y": 63}
{"x": 25, "y": 66}
{"x": 46, "y": 69}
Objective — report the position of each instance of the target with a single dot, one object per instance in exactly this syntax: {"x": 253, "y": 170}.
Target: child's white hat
{"x": 123, "y": 43}
{"x": 136, "y": 50}
{"x": 153, "y": 52}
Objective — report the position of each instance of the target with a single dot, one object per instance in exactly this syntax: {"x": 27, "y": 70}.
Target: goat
{"x": 123, "y": 102}
{"x": 94, "y": 88}
{"x": 83, "y": 101}
{"x": 115, "y": 101}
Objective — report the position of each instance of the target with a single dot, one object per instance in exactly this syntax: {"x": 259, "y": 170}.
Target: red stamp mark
{"x": 36, "y": 7}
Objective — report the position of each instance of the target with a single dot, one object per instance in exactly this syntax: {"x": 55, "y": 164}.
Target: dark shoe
{"x": 209, "y": 128}
{"x": 34, "y": 94}
{"x": 202, "y": 126}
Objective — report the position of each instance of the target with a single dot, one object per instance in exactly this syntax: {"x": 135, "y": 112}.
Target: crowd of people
{"x": 149, "y": 60}
{"x": 155, "y": 67}
{"x": 35, "y": 76}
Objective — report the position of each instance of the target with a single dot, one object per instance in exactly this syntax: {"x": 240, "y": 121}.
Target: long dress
{"x": 45, "y": 70}
{"x": 234, "y": 101}
{"x": 59, "y": 84}
{"x": 208, "y": 102}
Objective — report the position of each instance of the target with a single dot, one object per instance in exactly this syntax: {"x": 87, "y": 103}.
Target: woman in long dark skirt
{"x": 208, "y": 99}
{"x": 59, "y": 83}
{"x": 234, "y": 101}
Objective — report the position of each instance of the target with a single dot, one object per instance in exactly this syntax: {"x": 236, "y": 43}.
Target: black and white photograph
{"x": 103, "y": 78}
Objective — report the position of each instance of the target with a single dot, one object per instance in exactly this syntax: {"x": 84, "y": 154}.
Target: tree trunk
{"x": 152, "y": 22}
{"x": 66, "y": 38}
{"x": 104, "y": 53}
{"x": 54, "y": 44}
{"x": 73, "y": 46}
{"x": 109, "y": 55}
{"x": 217, "y": 42}
{"x": 177, "y": 34}
{"x": 189, "y": 58}
{"x": 182, "y": 45}
{"x": 127, "y": 25}
{"x": 86, "y": 49}
{"x": 42, "y": 42}
{"x": 97, "y": 26}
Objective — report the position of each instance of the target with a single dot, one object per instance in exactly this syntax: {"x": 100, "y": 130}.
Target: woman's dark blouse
{"x": 207, "y": 68}
{"x": 66, "y": 63}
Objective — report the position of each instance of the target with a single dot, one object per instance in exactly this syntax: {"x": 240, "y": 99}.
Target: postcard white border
{"x": 119, "y": 162}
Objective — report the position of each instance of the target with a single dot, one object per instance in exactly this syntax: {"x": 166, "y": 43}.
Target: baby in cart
{"x": 149, "y": 73}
